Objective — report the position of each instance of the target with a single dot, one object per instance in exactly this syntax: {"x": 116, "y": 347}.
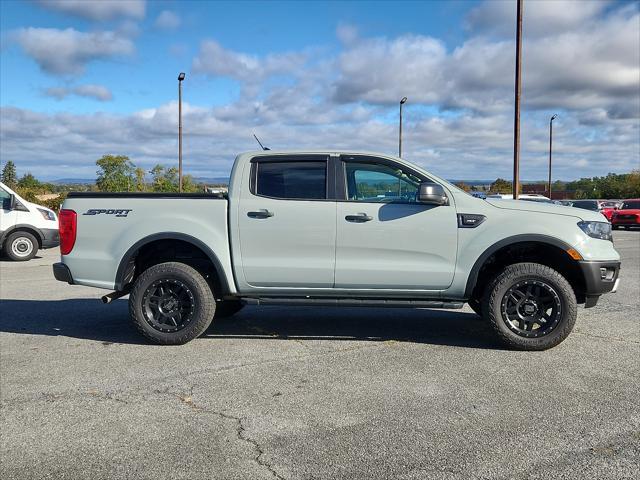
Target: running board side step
{"x": 353, "y": 302}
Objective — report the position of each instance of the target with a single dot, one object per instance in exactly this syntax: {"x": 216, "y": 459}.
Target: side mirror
{"x": 432, "y": 193}
{"x": 12, "y": 201}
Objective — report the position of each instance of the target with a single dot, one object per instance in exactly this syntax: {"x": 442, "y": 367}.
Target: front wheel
{"x": 171, "y": 303}
{"x": 530, "y": 306}
{"x": 21, "y": 246}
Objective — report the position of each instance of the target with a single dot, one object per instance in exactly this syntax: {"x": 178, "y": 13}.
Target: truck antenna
{"x": 260, "y": 143}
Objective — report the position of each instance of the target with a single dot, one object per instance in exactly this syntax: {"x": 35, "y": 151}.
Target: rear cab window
{"x": 290, "y": 178}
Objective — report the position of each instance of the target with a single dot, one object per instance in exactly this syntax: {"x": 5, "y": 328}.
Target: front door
{"x": 385, "y": 238}
{"x": 287, "y": 223}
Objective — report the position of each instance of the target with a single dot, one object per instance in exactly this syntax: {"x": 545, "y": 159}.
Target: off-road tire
{"x": 228, "y": 308}
{"x": 200, "y": 294}
{"x": 17, "y": 240}
{"x": 529, "y": 272}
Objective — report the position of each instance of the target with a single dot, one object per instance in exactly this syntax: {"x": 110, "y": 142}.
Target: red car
{"x": 628, "y": 215}
{"x": 607, "y": 208}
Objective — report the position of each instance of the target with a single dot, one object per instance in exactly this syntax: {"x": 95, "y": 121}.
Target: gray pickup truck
{"x": 336, "y": 228}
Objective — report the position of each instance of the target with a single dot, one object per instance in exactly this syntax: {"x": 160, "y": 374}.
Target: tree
{"x": 28, "y": 181}
{"x": 141, "y": 186}
{"x": 464, "y": 186}
{"x": 501, "y": 186}
{"x": 115, "y": 173}
{"x": 9, "y": 177}
{"x": 164, "y": 179}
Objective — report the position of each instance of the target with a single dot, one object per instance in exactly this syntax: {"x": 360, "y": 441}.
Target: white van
{"x": 25, "y": 227}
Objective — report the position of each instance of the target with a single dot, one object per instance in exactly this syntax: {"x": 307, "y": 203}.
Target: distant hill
{"x": 73, "y": 181}
{"x": 91, "y": 181}
{"x": 212, "y": 180}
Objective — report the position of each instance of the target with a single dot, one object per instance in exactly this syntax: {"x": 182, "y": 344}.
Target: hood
{"x": 552, "y": 208}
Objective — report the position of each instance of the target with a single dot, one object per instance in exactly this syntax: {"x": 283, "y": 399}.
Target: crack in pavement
{"x": 184, "y": 375}
{"x": 603, "y": 337}
{"x": 241, "y": 431}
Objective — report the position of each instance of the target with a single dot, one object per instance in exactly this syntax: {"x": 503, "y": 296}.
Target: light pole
{"x": 180, "y": 79}
{"x": 516, "y": 119}
{"x": 555, "y": 115}
{"x": 402, "y": 102}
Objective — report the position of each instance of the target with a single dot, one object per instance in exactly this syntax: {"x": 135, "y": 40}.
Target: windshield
{"x": 632, "y": 205}
{"x": 586, "y": 205}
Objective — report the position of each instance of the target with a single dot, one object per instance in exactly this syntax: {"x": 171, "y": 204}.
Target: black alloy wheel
{"x": 168, "y": 305}
{"x": 531, "y": 308}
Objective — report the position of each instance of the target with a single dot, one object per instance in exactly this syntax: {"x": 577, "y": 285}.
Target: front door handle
{"x": 359, "y": 218}
{"x": 264, "y": 213}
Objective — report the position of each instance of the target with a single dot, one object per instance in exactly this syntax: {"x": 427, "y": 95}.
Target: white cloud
{"x": 167, "y": 20}
{"x": 68, "y": 51}
{"x": 458, "y": 119}
{"x": 540, "y": 18}
{"x": 594, "y": 65}
{"x": 100, "y": 10}
{"x": 214, "y": 59}
{"x": 97, "y": 92}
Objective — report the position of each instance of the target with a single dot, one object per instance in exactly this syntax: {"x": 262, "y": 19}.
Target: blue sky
{"x": 80, "y": 79}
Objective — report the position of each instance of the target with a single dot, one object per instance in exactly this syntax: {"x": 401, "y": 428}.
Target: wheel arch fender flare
{"x": 24, "y": 227}
{"x": 472, "y": 278}
{"x": 133, "y": 251}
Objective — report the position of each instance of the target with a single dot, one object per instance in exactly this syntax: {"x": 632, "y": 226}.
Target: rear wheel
{"x": 21, "y": 246}
{"x": 530, "y": 306}
{"x": 171, "y": 303}
{"x": 615, "y": 227}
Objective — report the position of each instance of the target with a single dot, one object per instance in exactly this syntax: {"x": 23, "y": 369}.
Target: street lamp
{"x": 516, "y": 112}
{"x": 550, "y": 143}
{"x": 402, "y": 102}
{"x": 180, "y": 79}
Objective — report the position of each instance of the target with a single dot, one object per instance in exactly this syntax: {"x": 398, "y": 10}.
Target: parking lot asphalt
{"x": 312, "y": 393}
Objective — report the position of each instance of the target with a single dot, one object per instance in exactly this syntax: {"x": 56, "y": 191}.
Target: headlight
{"x": 601, "y": 230}
{"x": 47, "y": 214}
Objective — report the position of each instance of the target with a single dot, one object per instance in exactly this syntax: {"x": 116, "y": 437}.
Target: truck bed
{"x": 110, "y": 226}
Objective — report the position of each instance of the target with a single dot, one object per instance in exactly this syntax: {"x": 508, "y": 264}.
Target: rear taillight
{"x": 67, "y": 221}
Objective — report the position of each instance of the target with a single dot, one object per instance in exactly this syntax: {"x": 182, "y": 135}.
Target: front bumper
{"x": 62, "y": 273}
{"x": 50, "y": 237}
{"x": 599, "y": 277}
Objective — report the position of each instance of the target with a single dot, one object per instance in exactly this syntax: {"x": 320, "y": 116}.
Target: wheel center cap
{"x": 530, "y": 308}
{"x": 170, "y": 304}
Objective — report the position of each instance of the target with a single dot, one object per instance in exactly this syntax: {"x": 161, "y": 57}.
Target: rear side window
{"x": 296, "y": 180}
{"x": 632, "y": 205}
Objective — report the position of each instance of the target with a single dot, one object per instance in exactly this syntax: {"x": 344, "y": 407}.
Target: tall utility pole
{"x": 550, "y": 143}
{"x": 402, "y": 102}
{"x": 516, "y": 120}
{"x": 180, "y": 79}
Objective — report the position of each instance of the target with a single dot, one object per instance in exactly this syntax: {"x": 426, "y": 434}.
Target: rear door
{"x": 287, "y": 222}
{"x": 385, "y": 238}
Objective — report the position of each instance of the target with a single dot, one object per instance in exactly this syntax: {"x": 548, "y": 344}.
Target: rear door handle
{"x": 264, "y": 213}
{"x": 359, "y": 218}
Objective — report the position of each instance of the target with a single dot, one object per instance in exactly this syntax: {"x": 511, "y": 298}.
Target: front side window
{"x": 296, "y": 180}
{"x": 5, "y": 199}
{"x": 375, "y": 182}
